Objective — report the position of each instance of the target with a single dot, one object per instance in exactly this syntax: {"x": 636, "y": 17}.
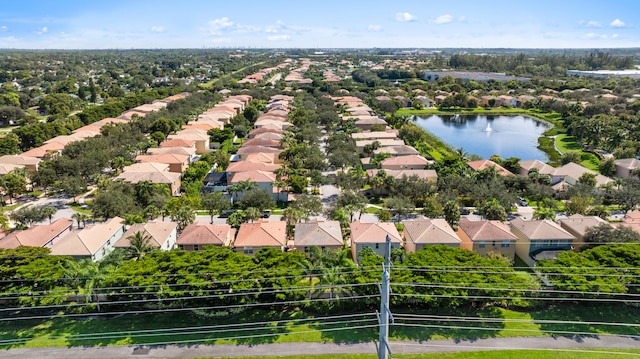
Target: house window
{"x": 505, "y": 244}
{"x": 482, "y": 244}
{"x": 181, "y": 246}
{"x": 196, "y": 247}
{"x": 377, "y": 245}
{"x": 306, "y": 249}
{"x": 248, "y": 250}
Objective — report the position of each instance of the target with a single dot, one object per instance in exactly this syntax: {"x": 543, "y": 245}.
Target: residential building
{"x": 411, "y": 162}
{"x": 482, "y": 165}
{"x": 419, "y": 233}
{"x": 178, "y": 163}
{"x": 571, "y": 172}
{"x": 93, "y": 242}
{"x": 321, "y": 234}
{"x": 162, "y": 235}
{"x": 625, "y": 166}
{"x": 578, "y": 225}
{"x": 543, "y": 168}
{"x": 30, "y": 163}
{"x": 44, "y": 235}
{"x": 485, "y": 237}
{"x": 200, "y": 234}
{"x": 372, "y": 235}
{"x": 540, "y": 239}
{"x": 153, "y": 173}
{"x": 262, "y": 234}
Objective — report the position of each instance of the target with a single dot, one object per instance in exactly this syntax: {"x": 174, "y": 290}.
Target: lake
{"x": 487, "y": 135}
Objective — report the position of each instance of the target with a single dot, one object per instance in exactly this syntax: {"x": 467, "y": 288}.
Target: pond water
{"x": 486, "y": 135}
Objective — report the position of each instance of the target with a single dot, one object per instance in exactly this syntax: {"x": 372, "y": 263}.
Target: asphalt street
{"x": 584, "y": 343}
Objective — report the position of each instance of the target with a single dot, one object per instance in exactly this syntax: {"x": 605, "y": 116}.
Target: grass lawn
{"x": 78, "y": 208}
{"x": 276, "y": 326}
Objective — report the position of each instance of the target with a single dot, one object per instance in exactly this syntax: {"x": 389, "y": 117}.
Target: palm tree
{"x": 252, "y": 214}
{"x": 139, "y": 245}
{"x": 331, "y": 277}
{"x": 49, "y": 211}
{"x": 292, "y": 216}
{"x": 117, "y": 163}
{"x": 80, "y": 217}
{"x": 151, "y": 212}
{"x": 84, "y": 275}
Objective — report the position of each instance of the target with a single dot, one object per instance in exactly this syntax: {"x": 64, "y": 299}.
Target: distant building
{"x": 605, "y": 74}
{"x": 472, "y": 75}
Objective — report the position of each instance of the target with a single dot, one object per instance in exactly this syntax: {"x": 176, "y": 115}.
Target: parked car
{"x": 226, "y": 213}
{"x": 266, "y": 214}
{"x": 464, "y": 211}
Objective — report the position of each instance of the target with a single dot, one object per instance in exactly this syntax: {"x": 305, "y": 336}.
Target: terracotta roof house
{"x": 263, "y": 234}
{"x": 177, "y": 163}
{"x": 374, "y": 236}
{"x": 571, "y": 172}
{"x": 539, "y": 239}
{"x": 365, "y": 123}
{"x": 30, "y": 163}
{"x": 257, "y": 131}
{"x": 262, "y": 157}
{"x": 269, "y": 136}
{"x": 93, "y": 242}
{"x": 385, "y": 142}
{"x": 403, "y": 150}
{"x": 411, "y": 162}
{"x": 179, "y": 142}
{"x": 422, "y": 232}
{"x": 243, "y": 166}
{"x": 44, "y": 235}
{"x": 151, "y": 172}
{"x": 484, "y": 237}
{"x": 578, "y": 225}
{"x": 625, "y": 166}
{"x": 6, "y": 168}
{"x": 374, "y": 135}
{"x": 261, "y": 142}
{"x": 199, "y": 234}
{"x": 200, "y": 136}
{"x": 632, "y": 220}
{"x": 481, "y": 165}
{"x": 217, "y": 116}
{"x": 244, "y": 151}
{"x": 321, "y": 234}
{"x": 263, "y": 179}
{"x": 47, "y": 150}
{"x": 188, "y": 151}
{"x": 162, "y": 235}
{"x": 205, "y": 125}
{"x": 543, "y": 168}
{"x": 272, "y": 124}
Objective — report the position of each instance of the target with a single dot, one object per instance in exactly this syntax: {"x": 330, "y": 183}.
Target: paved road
{"x": 284, "y": 349}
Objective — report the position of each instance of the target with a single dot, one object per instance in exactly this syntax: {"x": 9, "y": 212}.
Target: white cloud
{"x": 443, "y": 19}
{"x": 614, "y": 36}
{"x": 593, "y": 24}
{"x": 157, "y": 28}
{"x": 404, "y": 17}
{"x": 217, "y": 25}
{"x": 617, "y": 23}
{"x": 42, "y": 31}
{"x": 278, "y": 37}
{"x": 591, "y": 35}
{"x": 3, "y": 28}
{"x": 374, "y": 28}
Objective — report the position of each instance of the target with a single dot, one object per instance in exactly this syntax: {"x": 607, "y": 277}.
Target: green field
{"x": 295, "y": 325}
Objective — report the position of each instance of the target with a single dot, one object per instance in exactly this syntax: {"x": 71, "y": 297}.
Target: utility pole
{"x": 385, "y": 313}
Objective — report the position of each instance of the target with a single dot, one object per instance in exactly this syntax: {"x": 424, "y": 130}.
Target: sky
{"x": 126, "y": 24}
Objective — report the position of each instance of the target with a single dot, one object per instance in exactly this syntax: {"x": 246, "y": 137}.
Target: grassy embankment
{"x": 275, "y": 326}
{"x": 555, "y": 138}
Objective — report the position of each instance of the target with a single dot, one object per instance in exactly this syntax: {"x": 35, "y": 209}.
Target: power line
{"x": 230, "y": 306}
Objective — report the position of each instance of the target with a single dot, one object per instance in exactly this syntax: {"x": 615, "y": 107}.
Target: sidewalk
{"x": 603, "y": 342}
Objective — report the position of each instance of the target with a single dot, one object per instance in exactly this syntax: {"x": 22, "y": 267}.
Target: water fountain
{"x": 488, "y": 129}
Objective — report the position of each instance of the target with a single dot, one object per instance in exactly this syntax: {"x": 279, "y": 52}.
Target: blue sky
{"x": 73, "y": 24}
